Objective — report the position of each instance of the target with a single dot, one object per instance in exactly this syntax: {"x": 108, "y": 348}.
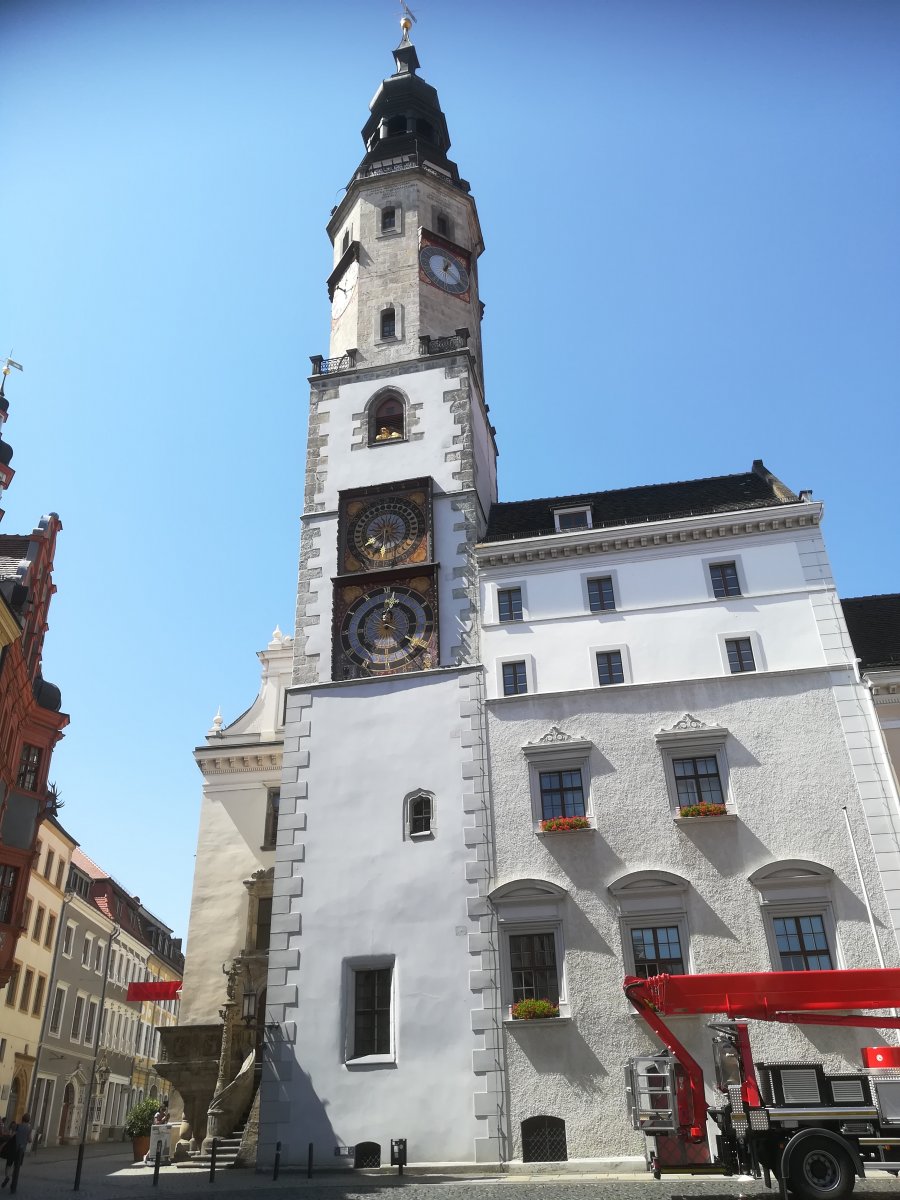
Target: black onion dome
{"x": 6, "y": 453}
{"x": 47, "y": 695}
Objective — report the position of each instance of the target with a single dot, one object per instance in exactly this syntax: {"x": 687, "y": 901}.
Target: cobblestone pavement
{"x": 108, "y": 1175}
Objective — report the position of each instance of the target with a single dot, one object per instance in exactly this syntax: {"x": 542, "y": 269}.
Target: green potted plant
{"x": 703, "y": 810}
{"x": 138, "y": 1124}
{"x": 534, "y": 1010}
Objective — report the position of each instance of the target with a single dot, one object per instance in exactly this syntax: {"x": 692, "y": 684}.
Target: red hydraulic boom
{"x": 793, "y": 997}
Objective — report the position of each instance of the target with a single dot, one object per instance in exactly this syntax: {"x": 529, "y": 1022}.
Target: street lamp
{"x": 248, "y": 1006}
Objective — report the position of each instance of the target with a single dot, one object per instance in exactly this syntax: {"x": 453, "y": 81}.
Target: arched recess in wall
{"x": 653, "y": 920}
{"x": 544, "y": 1139}
{"x": 387, "y": 416}
{"x": 797, "y": 909}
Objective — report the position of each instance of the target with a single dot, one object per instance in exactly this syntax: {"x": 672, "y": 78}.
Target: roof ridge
{"x": 871, "y": 596}
{"x": 629, "y": 488}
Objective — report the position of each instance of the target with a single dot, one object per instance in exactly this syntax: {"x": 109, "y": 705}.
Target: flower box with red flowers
{"x": 564, "y": 824}
{"x": 703, "y": 810}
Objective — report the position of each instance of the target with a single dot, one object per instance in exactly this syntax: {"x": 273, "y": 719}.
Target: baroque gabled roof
{"x": 874, "y": 626}
{"x": 757, "y": 488}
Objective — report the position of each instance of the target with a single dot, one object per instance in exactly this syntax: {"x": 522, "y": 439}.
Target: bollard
{"x": 78, "y": 1167}
{"x": 212, "y": 1159}
{"x": 277, "y": 1167}
{"x": 398, "y": 1154}
{"x": 14, "y": 1182}
{"x": 309, "y": 1161}
{"x": 156, "y": 1163}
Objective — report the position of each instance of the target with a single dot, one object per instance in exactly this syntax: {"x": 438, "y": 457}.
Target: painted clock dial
{"x": 444, "y": 270}
{"x": 387, "y": 531}
{"x": 389, "y": 628}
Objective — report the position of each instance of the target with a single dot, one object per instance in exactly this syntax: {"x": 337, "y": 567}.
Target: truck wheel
{"x": 821, "y": 1170}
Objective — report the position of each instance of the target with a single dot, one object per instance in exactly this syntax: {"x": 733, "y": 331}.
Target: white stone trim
{"x": 601, "y": 573}
{"x": 610, "y": 648}
{"x": 491, "y": 616}
{"x": 349, "y": 969}
{"x": 734, "y": 635}
{"x": 530, "y": 676}
{"x": 573, "y": 508}
{"x": 718, "y": 560}
{"x": 793, "y": 888}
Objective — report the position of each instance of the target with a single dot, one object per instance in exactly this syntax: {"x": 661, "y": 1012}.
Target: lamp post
{"x": 248, "y": 1006}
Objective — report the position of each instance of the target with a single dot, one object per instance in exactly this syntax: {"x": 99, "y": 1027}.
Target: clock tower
{"x": 382, "y": 995}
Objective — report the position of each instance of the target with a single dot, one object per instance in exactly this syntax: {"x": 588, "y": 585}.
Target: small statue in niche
{"x": 385, "y": 434}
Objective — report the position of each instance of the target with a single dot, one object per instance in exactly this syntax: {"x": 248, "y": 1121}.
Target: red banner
{"x": 164, "y": 990}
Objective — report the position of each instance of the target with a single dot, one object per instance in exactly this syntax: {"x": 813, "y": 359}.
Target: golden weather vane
{"x": 7, "y": 367}
{"x": 407, "y": 20}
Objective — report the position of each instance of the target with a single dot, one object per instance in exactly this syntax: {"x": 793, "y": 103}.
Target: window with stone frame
{"x": 388, "y": 324}
{"x": 9, "y": 878}
{"x": 12, "y": 986}
{"x": 532, "y": 965}
{"x": 509, "y": 604}
{"x": 29, "y": 768}
{"x": 610, "y": 668}
{"x": 795, "y": 898}
{"x": 653, "y": 919}
{"x": 388, "y": 219}
{"x": 369, "y": 1005}
{"x": 515, "y": 678}
{"x": 562, "y": 793}
{"x": 263, "y": 923}
{"x": 697, "y": 780}
{"x": 420, "y": 815}
{"x": 270, "y": 829}
{"x": 695, "y": 764}
{"x": 601, "y": 595}
{"x": 656, "y": 950}
{"x": 387, "y": 420}
{"x": 740, "y": 655}
{"x": 532, "y": 950}
{"x": 724, "y": 579}
{"x": 559, "y": 776}
{"x": 56, "y": 1012}
{"x": 50, "y": 931}
{"x": 802, "y": 943}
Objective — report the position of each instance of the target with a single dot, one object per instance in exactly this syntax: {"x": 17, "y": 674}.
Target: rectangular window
{"x": 609, "y": 667}
{"x": 388, "y": 219}
{"x": 27, "y": 984}
{"x": 2, "y": 1049}
{"x": 509, "y": 604}
{"x": 725, "y": 580}
{"x": 372, "y": 1012}
{"x": 388, "y": 323}
{"x": 562, "y": 794}
{"x": 573, "y": 518}
{"x": 263, "y": 922}
{"x": 9, "y": 877}
{"x": 697, "y": 781}
{"x": 68, "y": 939}
{"x": 270, "y": 832}
{"x": 740, "y": 655}
{"x": 12, "y": 987}
{"x": 77, "y": 1017}
{"x": 39, "y": 995}
{"x": 600, "y": 594}
{"x": 60, "y": 868}
{"x": 443, "y": 226}
{"x": 532, "y": 961}
{"x": 86, "y": 951}
{"x": 48, "y": 864}
{"x": 657, "y": 950}
{"x": 29, "y": 768}
{"x": 26, "y": 913}
{"x": 51, "y": 930}
{"x": 515, "y": 679}
{"x": 39, "y": 923}
{"x": 91, "y": 1021}
{"x": 98, "y": 957}
{"x": 802, "y": 943}
{"x": 56, "y": 1012}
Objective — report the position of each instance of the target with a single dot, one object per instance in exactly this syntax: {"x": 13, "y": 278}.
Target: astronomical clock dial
{"x": 386, "y": 531}
{"x": 389, "y": 628}
{"x": 445, "y": 270}
{"x": 343, "y": 291}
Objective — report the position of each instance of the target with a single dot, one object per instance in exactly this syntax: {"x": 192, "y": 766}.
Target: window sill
{"x": 370, "y": 1060}
{"x": 538, "y": 832}
{"x": 729, "y": 816}
{"x": 425, "y": 836}
{"x": 400, "y": 441}
{"x": 518, "y": 1022}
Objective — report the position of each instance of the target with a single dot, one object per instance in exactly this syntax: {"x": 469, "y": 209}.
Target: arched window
{"x": 367, "y": 1154}
{"x": 386, "y": 423}
{"x": 795, "y": 898}
{"x": 653, "y": 911}
{"x": 419, "y": 814}
{"x": 544, "y": 1140}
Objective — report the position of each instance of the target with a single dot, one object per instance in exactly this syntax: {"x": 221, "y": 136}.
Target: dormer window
{"x": 387, "y": 421}
{"x": 388, "y": 325}
{"x": 567, "y": 519}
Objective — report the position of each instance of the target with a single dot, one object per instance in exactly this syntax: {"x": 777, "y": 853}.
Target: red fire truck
{"x": 813, "y": 1131}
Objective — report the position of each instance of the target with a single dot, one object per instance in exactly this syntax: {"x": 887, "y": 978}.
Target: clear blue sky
{"x": 690, "y": 210}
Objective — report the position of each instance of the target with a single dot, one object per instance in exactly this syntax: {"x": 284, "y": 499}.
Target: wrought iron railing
{"x": 443, "y": 345}
{"x": 327, "y": 366}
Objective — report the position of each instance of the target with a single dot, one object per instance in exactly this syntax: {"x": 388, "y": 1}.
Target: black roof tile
{"x": 757, "y": 488}
{"x": 874, "y": 625}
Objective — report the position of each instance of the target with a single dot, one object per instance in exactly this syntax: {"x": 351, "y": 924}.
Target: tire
{"x": 820, "y": 1170}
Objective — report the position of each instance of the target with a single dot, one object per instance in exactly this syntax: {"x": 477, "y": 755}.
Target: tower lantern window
{"x": 396, "y": 125}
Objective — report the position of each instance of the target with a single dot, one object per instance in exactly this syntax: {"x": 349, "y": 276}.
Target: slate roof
{"x": 758, "y": 488}
{"x": 12, "y": 550}
{"x": 874, "y": 625}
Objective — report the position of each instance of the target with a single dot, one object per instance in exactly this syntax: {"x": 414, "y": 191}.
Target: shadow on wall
{"x": 559, "y": 1051}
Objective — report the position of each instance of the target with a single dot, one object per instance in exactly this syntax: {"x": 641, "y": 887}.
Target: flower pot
{"x": 140, "y": 1146}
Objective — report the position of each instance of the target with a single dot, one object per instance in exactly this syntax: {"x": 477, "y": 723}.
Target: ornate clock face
{"x": 343, "y": 291}
{"x": 389, "y": 628}
{"x": 444, "y": 270}
{"x": 386, "y": 532}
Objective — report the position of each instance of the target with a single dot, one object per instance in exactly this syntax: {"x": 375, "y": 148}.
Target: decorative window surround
{"x": 557, "y": 750}
{"x": 690, "y": 737}
{"x": 525, "y": 906}
{"x": 796, "y": 887}
{"x": 351, "y": 966}
{"x": 651, "y": 899}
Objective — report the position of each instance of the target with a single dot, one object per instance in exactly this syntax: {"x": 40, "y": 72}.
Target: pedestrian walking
{"x": 9, "y": 1152}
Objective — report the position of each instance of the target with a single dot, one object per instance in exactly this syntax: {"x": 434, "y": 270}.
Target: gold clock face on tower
{"x": 388, "y": 628}
{"x": 386, "y": 531}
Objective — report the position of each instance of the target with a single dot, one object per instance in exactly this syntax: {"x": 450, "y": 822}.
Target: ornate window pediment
{"x": 691, "y": 730}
